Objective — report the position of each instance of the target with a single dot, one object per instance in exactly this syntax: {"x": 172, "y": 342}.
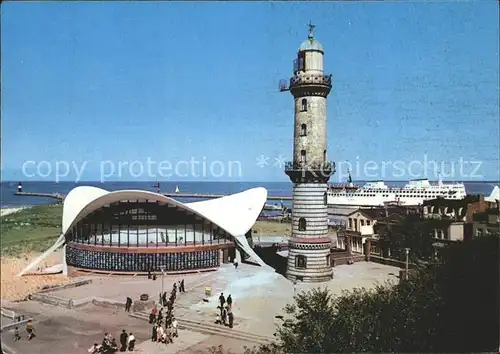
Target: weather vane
{"x": 311, "y": 30}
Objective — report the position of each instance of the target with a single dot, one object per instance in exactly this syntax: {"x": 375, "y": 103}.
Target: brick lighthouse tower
{"x": 309, "y": 247}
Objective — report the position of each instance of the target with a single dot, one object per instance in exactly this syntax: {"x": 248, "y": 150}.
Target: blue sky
{"x": 93, "y": 82}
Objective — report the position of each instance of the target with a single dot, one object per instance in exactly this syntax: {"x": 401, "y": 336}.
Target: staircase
{"x": 205, "y": 326}
{"x": 203, "y": 323}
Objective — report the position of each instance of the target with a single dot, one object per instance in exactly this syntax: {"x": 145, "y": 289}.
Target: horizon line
{"x": 232, "y": 181}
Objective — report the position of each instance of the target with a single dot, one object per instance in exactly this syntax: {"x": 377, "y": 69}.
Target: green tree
{"x": 451, "y": 307}
{"x": 417, "y": 234}
{"x": 308, "y": 322}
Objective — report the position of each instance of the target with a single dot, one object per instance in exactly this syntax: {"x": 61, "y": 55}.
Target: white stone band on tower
{"x": 309, "y": 211}
{"x": 309, "y": 251}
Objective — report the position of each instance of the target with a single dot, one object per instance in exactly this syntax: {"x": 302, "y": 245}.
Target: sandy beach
{"x": 17, "y": 288}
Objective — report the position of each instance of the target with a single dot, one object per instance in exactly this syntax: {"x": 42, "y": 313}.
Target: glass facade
{"x": 142, "y": 223}
{"x": 141, "y": 262}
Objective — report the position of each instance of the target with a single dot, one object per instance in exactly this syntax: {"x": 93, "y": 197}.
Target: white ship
{"x": 378, "y": 193}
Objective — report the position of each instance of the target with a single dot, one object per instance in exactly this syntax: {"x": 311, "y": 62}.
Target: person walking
{"x": 152, "y": 316}
{"x": 159, "y": 333}
{"x": 31, "y": 330}
{"x": 222, "y": 301}
{"x": 128, "y": 304}
{"x": 106, "y": 343}
{"x": 154, "y": 333}
{"x": 113, "y": 346}
{"x": 131, "y": 342}
{"x": 94, "y": 349}
{"x": 231, "y": 318}
{"x": 224, "y": 316}
{"x": 160, "y": 317}
{"x": 168, "y": 335}
{"x": 16, "y": 335}
{"x": 174, "y": 327}
{"x": 164, "y": 299}
{"x": 123, "y": 341}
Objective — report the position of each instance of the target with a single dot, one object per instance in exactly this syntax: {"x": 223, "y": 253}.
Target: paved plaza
{"x": 258, "y": 296}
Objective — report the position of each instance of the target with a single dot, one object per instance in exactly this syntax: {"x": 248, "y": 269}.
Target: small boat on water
{"x": 275, "y": 207}
{"x": 177, "y": 189}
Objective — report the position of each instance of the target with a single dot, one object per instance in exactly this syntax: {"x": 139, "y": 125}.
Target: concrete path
{"x": 185, "y": 340}
{"x": 64, "y": 331}
{"x": 258, "y": 296}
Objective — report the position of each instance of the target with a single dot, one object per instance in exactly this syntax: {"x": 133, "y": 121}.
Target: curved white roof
{"x": 235, "y": 213}
{"x": 494, "y": 196}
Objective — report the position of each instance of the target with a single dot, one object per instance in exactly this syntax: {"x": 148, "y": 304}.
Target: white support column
{"x": 64, "y": 263}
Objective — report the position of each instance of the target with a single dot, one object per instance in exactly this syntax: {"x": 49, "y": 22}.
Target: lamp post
{"x": 407, "y": 251}
{"x": 162, "y": 268}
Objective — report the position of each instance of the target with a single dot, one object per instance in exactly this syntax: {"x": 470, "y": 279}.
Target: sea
{"x": 9, "y": 199}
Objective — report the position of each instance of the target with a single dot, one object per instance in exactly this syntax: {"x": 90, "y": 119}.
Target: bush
{"x": 450, "y": 307}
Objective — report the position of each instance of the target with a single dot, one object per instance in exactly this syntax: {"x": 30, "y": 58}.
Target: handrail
{"x": 311, "y": 79}
{"x": 292, "y": 166}
{"x": 8, "y": 313}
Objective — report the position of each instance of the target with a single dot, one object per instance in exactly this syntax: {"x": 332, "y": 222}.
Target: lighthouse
{"x": 309, "y": 246}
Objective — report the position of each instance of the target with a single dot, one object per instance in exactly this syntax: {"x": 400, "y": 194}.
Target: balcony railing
{"x": 311, "y": 79}
{"x": 315, "y": 166}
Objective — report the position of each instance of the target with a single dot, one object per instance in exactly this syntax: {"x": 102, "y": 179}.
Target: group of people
{"x": 151, "y": 275}
{"x": 165, "y": 327}
{"x": 30, "y": 329}
{"x": 109, "y": 345}
{"x": 225, "y": 311}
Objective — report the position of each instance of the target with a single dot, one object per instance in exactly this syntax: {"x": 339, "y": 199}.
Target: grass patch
{"x": 271, "y": 228}
{"x": 274, "y": 228}
{"x": 30, "y": 230}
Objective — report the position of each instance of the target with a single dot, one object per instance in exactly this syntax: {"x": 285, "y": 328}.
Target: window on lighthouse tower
{"x": 302, "y": 224}
{"x": 303, "y": 130}
{"x": 300, "y": 261}
{"x": 303, "y": 105}
{"x": 301, "y": 59}
{"x": 303, "y": 156}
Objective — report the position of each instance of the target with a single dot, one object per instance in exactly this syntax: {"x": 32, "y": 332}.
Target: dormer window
{"x": 303, "y": 105}
{"x": 303, "y": 130}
